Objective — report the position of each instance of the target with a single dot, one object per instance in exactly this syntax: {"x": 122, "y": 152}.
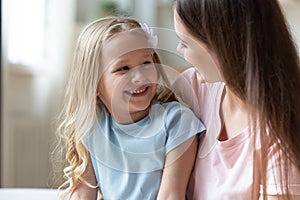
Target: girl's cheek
{"x": 150, "y": 72}
{"x": 153, "y": 76}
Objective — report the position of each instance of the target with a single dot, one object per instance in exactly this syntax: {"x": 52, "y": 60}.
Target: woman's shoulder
{"x": 191, "y": 80}
{"x": 189, "y": 75}
{"x": 196, "y": 93}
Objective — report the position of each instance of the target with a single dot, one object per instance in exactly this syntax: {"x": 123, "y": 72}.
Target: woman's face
{"x": 196, "y": 53}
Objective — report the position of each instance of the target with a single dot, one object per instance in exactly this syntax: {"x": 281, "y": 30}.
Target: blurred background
{"x": 37, "y": 42}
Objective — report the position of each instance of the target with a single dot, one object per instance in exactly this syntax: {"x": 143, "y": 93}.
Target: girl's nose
{"x": 137, "y": 75}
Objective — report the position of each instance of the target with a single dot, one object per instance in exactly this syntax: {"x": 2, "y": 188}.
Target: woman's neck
{"x": 234, "y": 115}
{"x": 232, "y": 101}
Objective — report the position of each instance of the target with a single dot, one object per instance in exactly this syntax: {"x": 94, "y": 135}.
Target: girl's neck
{"x": 132, "y": 117}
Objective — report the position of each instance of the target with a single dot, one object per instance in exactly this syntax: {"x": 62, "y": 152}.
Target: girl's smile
{"x": 140, "y": 91}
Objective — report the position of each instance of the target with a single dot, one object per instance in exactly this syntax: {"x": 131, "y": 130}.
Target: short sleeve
{"x": 181, "y": 124}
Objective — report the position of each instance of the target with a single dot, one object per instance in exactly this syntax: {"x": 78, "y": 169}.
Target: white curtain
{"x": 37, "y": 45}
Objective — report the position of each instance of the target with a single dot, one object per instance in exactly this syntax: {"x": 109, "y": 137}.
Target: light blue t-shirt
{"x": 128, "y": 160}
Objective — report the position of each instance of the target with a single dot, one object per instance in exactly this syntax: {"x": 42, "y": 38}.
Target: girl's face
{"x": 196, "y": 52}
{"x": 129, "y": 79}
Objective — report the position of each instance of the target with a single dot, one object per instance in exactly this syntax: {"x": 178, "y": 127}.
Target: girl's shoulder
{"x": 170, "y": 107}
{"x": 179, "y": 123}
{"x": 176, "y": 113}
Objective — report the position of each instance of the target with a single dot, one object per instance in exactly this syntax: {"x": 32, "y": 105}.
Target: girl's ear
{"x": 98, "y": 93}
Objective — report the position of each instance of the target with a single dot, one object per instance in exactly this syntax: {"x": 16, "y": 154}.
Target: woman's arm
{"x": 177, "y": 172}
{"x": 83, "y": 191}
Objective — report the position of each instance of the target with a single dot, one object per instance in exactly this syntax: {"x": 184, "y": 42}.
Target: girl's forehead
{"x": 122, "y": 44}
{"x": 125, "y": 42}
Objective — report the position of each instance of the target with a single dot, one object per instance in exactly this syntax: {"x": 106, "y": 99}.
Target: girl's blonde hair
{"x": 81, "y": 104}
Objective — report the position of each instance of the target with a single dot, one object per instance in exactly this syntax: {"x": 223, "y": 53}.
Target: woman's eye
{"x": 182, "y": 44}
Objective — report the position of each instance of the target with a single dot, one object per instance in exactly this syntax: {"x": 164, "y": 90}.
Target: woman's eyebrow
{"x": 181, "y": 38}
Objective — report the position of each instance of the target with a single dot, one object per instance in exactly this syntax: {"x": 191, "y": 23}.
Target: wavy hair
{"x": 81, "y": 104}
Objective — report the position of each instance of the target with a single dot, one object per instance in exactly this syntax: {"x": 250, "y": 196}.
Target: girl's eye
{"x": 147, "y": 63}
{"x": 124, "y": 68}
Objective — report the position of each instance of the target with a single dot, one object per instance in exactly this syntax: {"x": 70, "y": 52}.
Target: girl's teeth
{"x": 137, "y": 91}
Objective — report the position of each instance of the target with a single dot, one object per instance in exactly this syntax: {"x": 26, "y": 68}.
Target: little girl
{"x": 124, "y": 134}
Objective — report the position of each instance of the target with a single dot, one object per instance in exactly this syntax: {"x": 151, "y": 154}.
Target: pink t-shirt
{"x": 223, "y": 169}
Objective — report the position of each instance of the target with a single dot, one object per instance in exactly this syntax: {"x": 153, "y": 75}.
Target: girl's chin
{"x": 139, "y": 107}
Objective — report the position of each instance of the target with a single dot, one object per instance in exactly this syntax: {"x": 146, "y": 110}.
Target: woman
{"x": 246, "y": 90}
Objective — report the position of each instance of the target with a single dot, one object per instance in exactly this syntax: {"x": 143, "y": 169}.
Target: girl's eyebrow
{"x": 117, "y": 63}
{"x": 147, "y": 55}
{"x": 123, "y": 60}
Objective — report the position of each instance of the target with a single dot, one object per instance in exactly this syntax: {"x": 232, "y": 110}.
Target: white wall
{"x": 291, "y": 9}
{"x": 31, "y": 101}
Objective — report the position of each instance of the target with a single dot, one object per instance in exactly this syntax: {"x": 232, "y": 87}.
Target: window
{"x": 25, "y": 32}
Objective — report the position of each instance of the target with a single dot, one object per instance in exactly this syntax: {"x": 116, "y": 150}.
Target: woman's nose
{"x": 179, "y": 48}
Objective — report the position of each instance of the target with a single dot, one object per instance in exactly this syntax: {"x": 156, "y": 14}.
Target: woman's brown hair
{"x": 259, "y": 62}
